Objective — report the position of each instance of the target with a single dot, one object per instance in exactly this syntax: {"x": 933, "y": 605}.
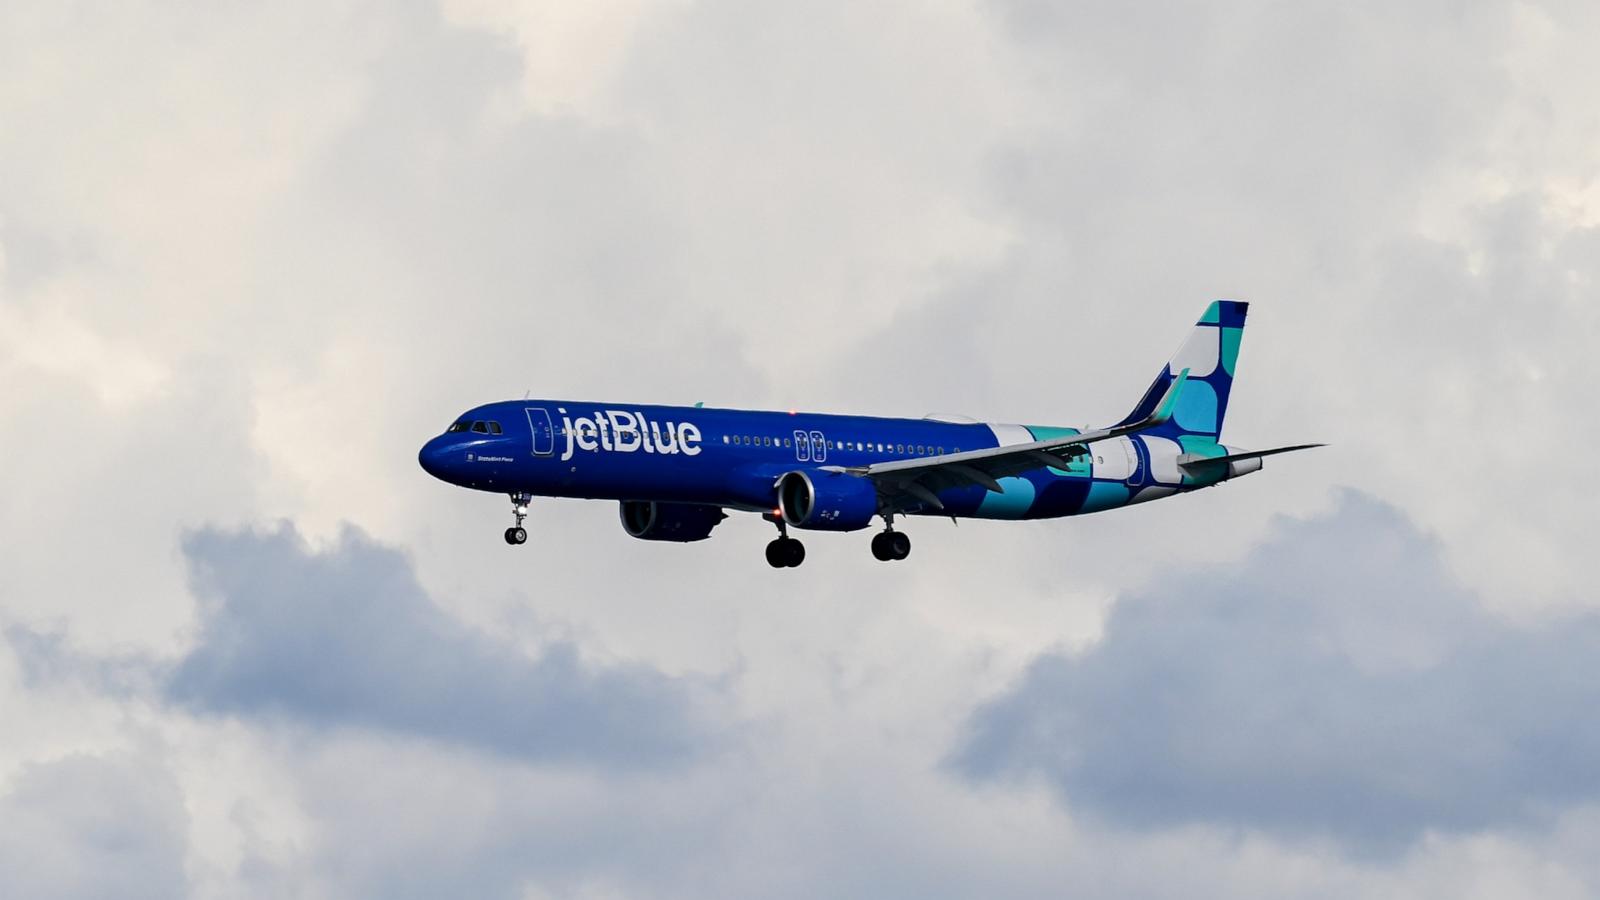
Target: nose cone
{"x": 432, "y": 458}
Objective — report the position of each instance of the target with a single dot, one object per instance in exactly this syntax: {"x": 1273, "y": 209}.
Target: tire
{"x": 511, "y": 536}
{"x": 794, "y": 554}
{"x": 880, "y": 547}
{"x": 777, "y": 554}
{"x": 519, "y": 535}
{"x": 899, "y": 545}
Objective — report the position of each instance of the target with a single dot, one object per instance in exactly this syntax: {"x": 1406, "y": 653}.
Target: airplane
{"x": 675, "y": 471}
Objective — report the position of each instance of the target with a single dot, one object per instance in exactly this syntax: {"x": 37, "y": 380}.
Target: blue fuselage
{"x": 732, "y": 458}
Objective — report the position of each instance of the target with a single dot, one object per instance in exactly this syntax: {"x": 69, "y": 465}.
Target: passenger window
{"x": 899, "y": 448}
{"x": 786, "y": 442}
{"x": 766, "y": 441}
{"x": 480, "y": 428}
{"x": 724, "y": 439}
{"x": 494, "y": 428}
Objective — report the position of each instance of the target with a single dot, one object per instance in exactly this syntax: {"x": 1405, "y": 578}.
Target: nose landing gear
{"x": 516, "y": 534}
{"x": 784, "y": 552}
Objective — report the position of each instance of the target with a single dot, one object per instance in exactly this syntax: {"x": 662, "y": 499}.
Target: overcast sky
{"x": 252, "y": 256}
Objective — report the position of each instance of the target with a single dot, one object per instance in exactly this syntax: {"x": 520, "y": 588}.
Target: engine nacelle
{"x": 827, "y": 501}
{"x": 683, "y": 522}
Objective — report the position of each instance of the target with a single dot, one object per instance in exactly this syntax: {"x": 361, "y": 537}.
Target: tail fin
{"x": 1209, "y": 354}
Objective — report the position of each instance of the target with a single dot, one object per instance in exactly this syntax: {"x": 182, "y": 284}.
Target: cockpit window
{"x": 494, "y": 428}
{"x": 480, "y": 428}
{"x": 456, "y": 427}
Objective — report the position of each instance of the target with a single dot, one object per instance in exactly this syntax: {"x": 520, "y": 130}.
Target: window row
{"x": 746, "y": 440}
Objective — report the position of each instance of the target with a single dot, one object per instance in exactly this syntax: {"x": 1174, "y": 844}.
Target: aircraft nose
{"x": 431, "y": 457}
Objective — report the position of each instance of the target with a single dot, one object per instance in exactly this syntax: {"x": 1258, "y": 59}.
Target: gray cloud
{"x": 90, "y": 826}
{"x": 347, "y": 637}
{"x": 1335, "y": 682}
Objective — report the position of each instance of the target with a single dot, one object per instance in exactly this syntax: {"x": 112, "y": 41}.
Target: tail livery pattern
{"x": 1209, "y": 354}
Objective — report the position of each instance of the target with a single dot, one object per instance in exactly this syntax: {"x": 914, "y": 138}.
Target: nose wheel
{"x": 890, "y": 545}
{"x": 516, "y": 535}
{"x": 784, "y": 552}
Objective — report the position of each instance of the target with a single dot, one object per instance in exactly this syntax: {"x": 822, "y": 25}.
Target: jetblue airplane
{"x": 676, "y": 470}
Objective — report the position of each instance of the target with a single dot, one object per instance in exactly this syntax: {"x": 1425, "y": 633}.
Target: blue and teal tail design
{"x": 1209, "y": 355}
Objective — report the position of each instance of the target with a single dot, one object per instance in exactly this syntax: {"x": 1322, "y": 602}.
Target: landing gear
{"x": 784, "y": 552}
{"x": 889, "y": 545}
{"x": 516, "y": 534}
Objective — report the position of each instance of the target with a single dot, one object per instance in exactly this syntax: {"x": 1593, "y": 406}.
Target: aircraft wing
{"x": 918, "y": 481}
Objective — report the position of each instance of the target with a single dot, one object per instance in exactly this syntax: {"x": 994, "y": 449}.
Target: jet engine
{"x": 682, "y": 522}
{"x": 827, "y": 501}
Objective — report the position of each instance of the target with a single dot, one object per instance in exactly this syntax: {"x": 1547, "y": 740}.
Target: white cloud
{"x": 571, "y": 52}
{"x": 52, "y": 342}
{"x": 93, "y": 827}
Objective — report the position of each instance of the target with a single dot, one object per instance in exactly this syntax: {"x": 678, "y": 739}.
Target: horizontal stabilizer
{"x": 1199, "y": 462}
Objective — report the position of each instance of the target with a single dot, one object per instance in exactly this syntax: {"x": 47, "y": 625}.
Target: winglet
{"x": 1169, "y": 401}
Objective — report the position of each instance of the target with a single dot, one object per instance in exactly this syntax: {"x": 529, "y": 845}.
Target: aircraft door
{"x": 1136, "y": 467}
{"x": 802, "y": 447}
{"x": 544, "y": 439}
{"x": 819, "y": 447}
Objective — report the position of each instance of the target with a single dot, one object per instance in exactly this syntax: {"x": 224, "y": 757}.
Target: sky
{"x": 252, "y": 256}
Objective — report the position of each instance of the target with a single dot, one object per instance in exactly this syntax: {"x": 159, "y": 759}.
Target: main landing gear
{"x": 784, "y": 552}
{"x": 516, "y": 534}
{"x": 889, "y": 545}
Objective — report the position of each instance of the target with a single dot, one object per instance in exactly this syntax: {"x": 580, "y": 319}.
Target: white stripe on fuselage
{"x": 1008, "y": 435}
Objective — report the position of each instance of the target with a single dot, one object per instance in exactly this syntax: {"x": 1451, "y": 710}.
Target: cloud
{"x": 92, "y": 826}
{"x": 347, "y": 638}
{"x": 1336, "y": 682}
{"x": 268, "y": 282}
